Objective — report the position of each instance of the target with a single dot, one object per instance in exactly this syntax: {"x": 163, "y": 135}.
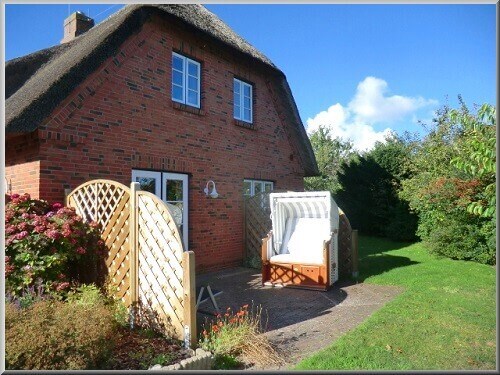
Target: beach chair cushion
{"x": 303, "y": 240}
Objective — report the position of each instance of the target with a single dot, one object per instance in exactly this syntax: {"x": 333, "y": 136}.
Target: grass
{"x": 445, "y": 319}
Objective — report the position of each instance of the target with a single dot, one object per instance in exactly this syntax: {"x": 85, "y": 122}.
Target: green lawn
{"x": 444, "y": 319}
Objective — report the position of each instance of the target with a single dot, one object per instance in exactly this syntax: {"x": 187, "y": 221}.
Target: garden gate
{"x": 146, "y": 263}
{"x": 257, "y": 224}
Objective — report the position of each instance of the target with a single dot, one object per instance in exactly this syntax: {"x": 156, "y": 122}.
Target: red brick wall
{"x": 22, "y": 165}
{"x": 122, "y": 117}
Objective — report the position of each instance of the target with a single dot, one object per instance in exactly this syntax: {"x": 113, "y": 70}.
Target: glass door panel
{"x": 175, "y": 192}
{"x": 148, "y": 181}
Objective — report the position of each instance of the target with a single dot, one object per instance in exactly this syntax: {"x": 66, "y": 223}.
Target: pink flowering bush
{"x": 49, "y": 243}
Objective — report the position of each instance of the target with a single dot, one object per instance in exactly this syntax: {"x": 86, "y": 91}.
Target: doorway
{"x": 172, "y": 188}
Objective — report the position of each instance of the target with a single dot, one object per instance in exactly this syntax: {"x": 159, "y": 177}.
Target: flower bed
{"x": 48, "y": 244}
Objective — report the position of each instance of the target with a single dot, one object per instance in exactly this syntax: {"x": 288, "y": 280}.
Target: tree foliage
{"x": 440, "y": 188}
{"x": 453, "y": 184}
{"x": 330, "y": 153}
{"x": 369, "y": 191}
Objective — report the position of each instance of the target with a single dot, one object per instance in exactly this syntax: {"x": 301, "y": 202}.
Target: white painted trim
{"x": 239, "y": 116}
{"x": 185, "y": 75}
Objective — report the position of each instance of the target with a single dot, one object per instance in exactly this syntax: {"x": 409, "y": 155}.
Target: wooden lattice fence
{"x": 257, "y": 222}
{"x": 146, "y": 263}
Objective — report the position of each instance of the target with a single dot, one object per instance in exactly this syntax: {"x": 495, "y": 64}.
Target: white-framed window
{"x": 186, "y": 77}
{"x": 252, "y": 187}
{"x": 243, "y": 103}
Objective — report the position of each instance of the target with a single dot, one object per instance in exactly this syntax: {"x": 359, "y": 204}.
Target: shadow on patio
{"x": 300, "y": 322}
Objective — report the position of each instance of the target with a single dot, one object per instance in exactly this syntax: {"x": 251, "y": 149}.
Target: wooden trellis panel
{"x": 257, "y": 223}
{"x": 160, "y": 268}
{"x": 345, "y": 245}
{"x": 146, "y": 262}
{"x": 106, "y": 202}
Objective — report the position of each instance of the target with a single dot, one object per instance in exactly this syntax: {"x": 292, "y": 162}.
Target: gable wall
{"x": 122, "y": 117}
{"x": 22, "y": 164}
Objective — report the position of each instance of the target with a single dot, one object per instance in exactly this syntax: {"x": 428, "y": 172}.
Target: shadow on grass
{"x": 373, "y": 257}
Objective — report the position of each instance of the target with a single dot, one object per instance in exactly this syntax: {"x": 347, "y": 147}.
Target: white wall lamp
{"x": 213, "y": 193}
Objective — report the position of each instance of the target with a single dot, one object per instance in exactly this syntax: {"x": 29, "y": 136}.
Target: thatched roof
{"x": 35, "y": 84}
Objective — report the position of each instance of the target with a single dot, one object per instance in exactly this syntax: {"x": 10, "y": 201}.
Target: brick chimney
{"x": 75, "y": 25}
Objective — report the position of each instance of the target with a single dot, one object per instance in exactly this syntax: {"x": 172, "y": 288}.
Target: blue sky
{"x": 358, "y": 69}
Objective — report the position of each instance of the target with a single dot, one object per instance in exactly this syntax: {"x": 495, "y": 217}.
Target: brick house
{"x": 167, "y": 95}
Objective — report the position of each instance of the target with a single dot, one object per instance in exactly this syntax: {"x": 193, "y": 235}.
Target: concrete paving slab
{"x": 299, "y": 322}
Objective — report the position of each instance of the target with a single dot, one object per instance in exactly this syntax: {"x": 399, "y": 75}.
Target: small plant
{"x": 238, "y": 336}
{"x": 48, "y": 242}
{"x": 28, "y": 295}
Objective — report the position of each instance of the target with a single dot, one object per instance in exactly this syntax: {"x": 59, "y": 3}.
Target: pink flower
{"x": 40, "y": 228}
{"x": 9, "y": 268}
{"x": 22, "y": 226}
{"x": 49, "y": 214}
{"x": 14, "y": 196}
{"x": 66, "y": 233}
{"x": 25, "y": 215}
{"x": 21, "y": 235}
{"x": 25, "y": 197}
{"x": 61, "y": 276}
{"x": 9, "y": 229}
{"x": 62, "y": 286}
{"x": 54, "y": 234}
{"x": 81, "y": 250}
{"x": 56, "y": 206}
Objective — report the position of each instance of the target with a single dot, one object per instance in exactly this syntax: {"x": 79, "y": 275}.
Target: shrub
{"x": 55, "y": 335}
{"x": 462, "y": 238}
{"x": 48, "y": 242}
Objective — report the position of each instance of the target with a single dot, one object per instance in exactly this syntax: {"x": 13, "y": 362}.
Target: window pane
{"x": 177, "y": 78}
{"x": 258, "y": 187}
{"x": 247, "y": 188}
{"x": 177, "y": 93}
{"x": 174, "y": 190}
{"x": 193, "y": 83}
{"x": 246, "y": 103}
{"x": 147, "y": 184}
{"x": 236, "y": 87}
{"x": 177, "y": 63}
{"x": 246, "y": 115}
{"x": 246, "y": 90}
{"x": 193, "y": 69}
{"x": 268, "y": 186}
{"x": 192, "y": 97}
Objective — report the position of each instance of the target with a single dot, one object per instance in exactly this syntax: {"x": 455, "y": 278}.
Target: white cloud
{"x": 369, "y": 106}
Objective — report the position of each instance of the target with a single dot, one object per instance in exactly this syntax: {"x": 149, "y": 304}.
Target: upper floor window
{"x": 185, "y": 80}
{"x": 242, "y": 101}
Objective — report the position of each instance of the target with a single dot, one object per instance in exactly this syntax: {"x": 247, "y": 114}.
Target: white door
{"x": 171, "y": 188}
{"x": 175, "y": 191}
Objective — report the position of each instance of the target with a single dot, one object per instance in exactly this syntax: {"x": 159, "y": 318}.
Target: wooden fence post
{"x": 189, "y": 284}
{"x": 134, "y": 256}
{"x": 354, "y": 252}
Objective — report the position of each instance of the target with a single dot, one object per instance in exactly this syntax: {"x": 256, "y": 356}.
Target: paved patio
{"x": 300, "y": 322}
